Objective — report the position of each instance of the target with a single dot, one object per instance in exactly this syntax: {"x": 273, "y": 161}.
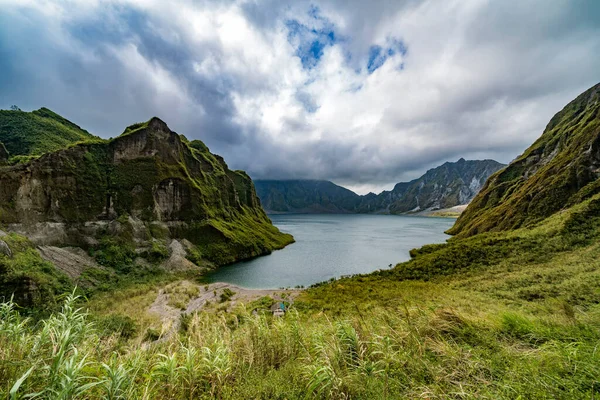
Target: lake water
{"x": 329, "y": 246}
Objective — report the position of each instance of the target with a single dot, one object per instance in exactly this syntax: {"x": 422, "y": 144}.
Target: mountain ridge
{"x": 448, "y": 185}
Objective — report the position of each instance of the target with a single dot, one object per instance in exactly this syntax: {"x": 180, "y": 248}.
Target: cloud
{"x": 362, "y": 93}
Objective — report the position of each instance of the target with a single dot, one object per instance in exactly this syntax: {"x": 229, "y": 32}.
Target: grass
{"x": 553, "y": 173}
{"x": 522, "y": 320}
{"x": 38, "y": 132}
{"x": 447, "y": 346}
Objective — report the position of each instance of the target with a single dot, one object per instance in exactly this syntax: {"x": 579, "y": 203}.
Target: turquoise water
{"x": 329, "y": 246}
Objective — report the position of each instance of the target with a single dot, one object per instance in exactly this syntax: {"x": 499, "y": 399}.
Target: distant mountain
{"x": 449, "y": 185}
{"x": 561, "y": 169}
{"x": 446, "y": 186}
{"x": 38, "y": 132}
{"x": 305, "y": 196}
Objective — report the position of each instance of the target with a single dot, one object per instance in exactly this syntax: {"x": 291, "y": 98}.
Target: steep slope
{"x": 38, "y": 132}
{"x": 446, "y": 186}
{"x": 141, "y": 192}
{"x": 560, "y": 169}
{"x": 305, "y": 196}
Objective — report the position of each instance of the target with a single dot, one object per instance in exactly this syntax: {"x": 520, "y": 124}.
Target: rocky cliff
{"x": 143, "y": 191}
{"x": 560, "y": 169}
{"x": 446, "y": 186}
{"x": 449, "y": 185}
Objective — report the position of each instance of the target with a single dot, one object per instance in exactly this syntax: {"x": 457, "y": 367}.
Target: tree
{"x": 15, "y": 108}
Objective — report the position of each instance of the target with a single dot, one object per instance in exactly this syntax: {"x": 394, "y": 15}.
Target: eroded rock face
{"x": 148, "y": 184}
{"x": 172, "y": 197}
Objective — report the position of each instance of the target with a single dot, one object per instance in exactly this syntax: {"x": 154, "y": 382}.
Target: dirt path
{"x": 185, "y": 297}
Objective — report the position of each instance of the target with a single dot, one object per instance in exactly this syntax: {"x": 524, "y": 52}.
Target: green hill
{"x": 38, "y": 132}
{"x": 148, "y": 200}
{"x": 559, "y": 170}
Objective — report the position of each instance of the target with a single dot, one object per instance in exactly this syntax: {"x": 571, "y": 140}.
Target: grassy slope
{"x": 500, "y": 315}
{"x": 38, "y": 132}
{"x": 560, "y": 169}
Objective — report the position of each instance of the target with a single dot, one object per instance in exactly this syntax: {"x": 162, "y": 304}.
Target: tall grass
{"x": 407, "y": 352}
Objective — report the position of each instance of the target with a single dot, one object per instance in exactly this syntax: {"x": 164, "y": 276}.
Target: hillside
{"x": 449, "y": 185}
{"x": 38, "y": 132}
{"x": 559, "y": 170}
{"x": 305, "y": 196}
{"x": 148, "y": 197}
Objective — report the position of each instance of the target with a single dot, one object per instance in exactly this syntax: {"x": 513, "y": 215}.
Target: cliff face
{"x": 560, "y": 169}
{"x": 446, "y": 186}
{"x": 147, "y": 186}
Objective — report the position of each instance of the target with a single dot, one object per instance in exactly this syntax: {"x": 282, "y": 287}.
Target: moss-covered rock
{"x": 560, "y": 169}
{"x": 141, "y": 190}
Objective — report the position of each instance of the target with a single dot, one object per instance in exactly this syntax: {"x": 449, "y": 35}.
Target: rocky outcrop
{"x": 446, "y": 186}
{"x": 144, "y": 189}
{"x": 560, "y": 169}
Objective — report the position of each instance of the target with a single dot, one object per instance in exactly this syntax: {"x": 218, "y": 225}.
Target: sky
{"x": 363, "y": 93}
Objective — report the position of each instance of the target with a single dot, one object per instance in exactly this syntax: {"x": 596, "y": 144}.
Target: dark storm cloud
{"x": 365, "y": 94}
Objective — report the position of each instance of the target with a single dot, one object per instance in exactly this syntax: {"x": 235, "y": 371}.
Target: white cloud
{"x": 480, "y": 78}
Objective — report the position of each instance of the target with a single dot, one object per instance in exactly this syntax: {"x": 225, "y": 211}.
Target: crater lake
{"x": 332, "y": 245}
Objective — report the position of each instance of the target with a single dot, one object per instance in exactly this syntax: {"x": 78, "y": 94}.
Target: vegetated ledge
{"x": 149, "y": 196}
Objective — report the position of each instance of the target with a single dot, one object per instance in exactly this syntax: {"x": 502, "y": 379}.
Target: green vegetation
{"x": 3, "y": 154}
{"x": 499, "y": 315}
{"x": 38, "y": 132}
{"x": 559, "y": 170}
{"x": 226, "y": 295}
{"x": 34, "y": 282}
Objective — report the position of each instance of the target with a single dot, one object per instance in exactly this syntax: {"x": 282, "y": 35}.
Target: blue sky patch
{"x": 378, "y": 55}
{"x": 311, "y": 42}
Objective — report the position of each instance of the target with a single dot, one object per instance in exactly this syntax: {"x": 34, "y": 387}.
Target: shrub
{"x": 226, "y": 295}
